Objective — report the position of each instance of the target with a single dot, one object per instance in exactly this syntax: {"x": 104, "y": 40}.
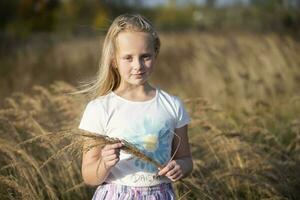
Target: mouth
{"x": 139, "y": 74}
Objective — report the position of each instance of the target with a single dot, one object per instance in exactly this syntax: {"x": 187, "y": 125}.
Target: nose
{"x": 138, "y": 64}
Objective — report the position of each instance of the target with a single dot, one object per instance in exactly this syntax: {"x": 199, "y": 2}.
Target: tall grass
{"x": 241, "y": 90}
{"x": 247, "y": 154}
{"x": 240, "y": 154}
{"x": 229, "y": 67}
{"x": 221, "y": 67}
{"x": 31, "y": 134}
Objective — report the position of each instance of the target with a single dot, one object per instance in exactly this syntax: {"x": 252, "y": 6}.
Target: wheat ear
{"x": 127, "y": 146}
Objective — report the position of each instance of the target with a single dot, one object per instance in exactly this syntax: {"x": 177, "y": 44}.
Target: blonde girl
{"x": 125, "y": 105}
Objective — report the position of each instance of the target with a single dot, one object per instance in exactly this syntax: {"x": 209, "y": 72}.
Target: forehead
{"x": 134, "y": 41}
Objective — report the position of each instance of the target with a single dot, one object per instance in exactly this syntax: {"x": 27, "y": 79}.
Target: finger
{"x": 113, "y": 146}
{"x": 166, "y": 169}
{"x": 175, "y": 170}
{"x": 110, "y": 152}
{"x": 176, "y": 178}
{"x": 110, "y": 157}
{"x": 112, "y": 162}
{"x": 163, "y": 171}
{"x": 175, "y": 175}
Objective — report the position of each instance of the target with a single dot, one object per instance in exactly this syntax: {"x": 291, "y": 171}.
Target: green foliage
{"x": 25, "y": 17}
{"x": 172, "y": 18}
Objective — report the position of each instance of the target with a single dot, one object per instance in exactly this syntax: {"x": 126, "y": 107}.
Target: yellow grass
{"x": 239, "y": 158}
{"x": 242, "y": 92}
{"x": 221, "y": 67}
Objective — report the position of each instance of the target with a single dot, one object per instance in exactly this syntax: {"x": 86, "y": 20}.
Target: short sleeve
{"x": 93, "y": 118}
{"x": 182, "y": 117}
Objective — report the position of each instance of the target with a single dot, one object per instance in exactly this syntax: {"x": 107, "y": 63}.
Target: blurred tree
{"x": 7, "y": 12}
{"x": 210, "y": 3}
{"x": 39, "y": 13}
{"x": 101, "y": 18}
{"x": 269, "y": 3}
{"x": 172, "y": 3}
{"x": 21, "y": 17}
{"x": 174, "y": 18}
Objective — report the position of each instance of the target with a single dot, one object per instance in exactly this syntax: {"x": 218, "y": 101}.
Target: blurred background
{"x": 235, "y": 64}
{"x": 211, "y": 48}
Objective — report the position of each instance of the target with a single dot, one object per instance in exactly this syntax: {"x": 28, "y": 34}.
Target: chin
{"x": 138, "y": 82}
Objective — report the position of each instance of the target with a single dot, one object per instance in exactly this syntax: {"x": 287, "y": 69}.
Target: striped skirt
{"x": 110, "y": 191}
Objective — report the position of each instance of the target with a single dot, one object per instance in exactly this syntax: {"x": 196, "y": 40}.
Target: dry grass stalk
{"x": 127, "y": 146}
{"x": 238, "y": 154}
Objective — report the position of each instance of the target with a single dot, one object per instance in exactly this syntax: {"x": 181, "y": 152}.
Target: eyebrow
{"x": 144, "y": 53}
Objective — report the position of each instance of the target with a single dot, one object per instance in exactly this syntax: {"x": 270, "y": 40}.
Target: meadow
{"x": 241, "y": 90}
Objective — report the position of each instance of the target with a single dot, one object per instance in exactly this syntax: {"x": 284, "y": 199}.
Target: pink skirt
{"x": 112, "y": 191}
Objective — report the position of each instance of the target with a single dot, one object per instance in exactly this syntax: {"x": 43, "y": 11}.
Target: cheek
{"x": 123, "y": 65}
{"x": 150, "y": 64}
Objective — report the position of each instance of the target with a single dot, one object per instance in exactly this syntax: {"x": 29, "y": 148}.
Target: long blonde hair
{"x": 108, "y": 78}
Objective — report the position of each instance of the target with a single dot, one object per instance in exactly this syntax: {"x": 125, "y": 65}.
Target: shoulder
{"x": 178, "y": 109}
{"x": 94, "y": 102}
{"x": 94, "y": 117}
{"x": 173, "y": 99}
{"x": 98, "y": 102}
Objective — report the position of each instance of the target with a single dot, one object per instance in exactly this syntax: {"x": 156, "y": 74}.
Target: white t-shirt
{"x": 149, "y": 125}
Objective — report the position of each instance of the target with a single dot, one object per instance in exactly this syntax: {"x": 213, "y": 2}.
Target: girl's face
{"x": 135, "y": 57}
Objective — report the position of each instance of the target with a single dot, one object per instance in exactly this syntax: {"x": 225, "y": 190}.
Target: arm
{"x": 97, "y": 162}
{"x": 182, "y": 164}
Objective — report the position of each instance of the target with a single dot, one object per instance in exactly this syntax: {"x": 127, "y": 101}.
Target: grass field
{"x": 241, "y": 90}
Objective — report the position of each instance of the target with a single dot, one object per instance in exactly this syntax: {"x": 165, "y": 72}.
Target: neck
{"x": 135, "y": 90}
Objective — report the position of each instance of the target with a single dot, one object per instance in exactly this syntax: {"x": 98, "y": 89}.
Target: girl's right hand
{"x": 110, "y": 155}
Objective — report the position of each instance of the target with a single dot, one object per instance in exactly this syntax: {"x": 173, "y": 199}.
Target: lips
{"x": 139, "y": 73}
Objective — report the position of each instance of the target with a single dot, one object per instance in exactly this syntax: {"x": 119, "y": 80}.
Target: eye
{"x": 147, "y": 57}
{"x": 127, "y": 58}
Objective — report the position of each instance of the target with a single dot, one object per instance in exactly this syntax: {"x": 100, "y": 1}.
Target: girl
{"x": 126, "y": 106}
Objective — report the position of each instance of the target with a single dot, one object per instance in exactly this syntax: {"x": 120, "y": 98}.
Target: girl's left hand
{"x": 172, "y": 170}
